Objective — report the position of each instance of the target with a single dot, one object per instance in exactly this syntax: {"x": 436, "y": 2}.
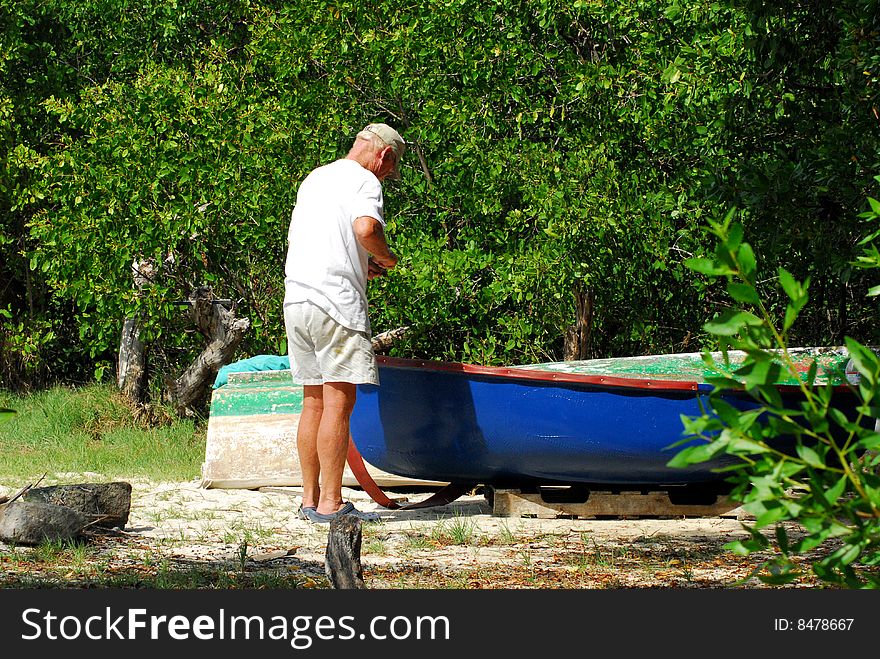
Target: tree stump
{"x": 343, "y": 556}
{"x": 31, "y": 523}
{"x": 103, "y": 504}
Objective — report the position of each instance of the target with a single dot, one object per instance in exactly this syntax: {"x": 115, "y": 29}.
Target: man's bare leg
{"x": 307, "y": 443}
{"x": 332, "y": 442}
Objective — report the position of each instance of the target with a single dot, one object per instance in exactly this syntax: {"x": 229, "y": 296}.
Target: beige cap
{"x": 392, "y": 138}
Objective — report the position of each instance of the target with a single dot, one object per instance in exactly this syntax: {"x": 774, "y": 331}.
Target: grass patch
{"x": 92, "y": 429}
{"x": 76, "y": 564}
{"x": 375, "y": 546}
{"x": 505, "y": 535}
{"x": 418, "y": 542}
{"x": 457, "y": 531}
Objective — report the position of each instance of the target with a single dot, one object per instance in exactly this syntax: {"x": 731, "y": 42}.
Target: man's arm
{"x": 369, "y": 233}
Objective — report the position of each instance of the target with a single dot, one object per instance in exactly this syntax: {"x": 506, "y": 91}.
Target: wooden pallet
{"x": 578, "y": 503}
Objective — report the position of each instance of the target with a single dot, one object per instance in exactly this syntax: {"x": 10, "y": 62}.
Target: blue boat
{"x": 609, "y": 422}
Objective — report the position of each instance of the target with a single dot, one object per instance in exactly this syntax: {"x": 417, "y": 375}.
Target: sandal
{"x": 348, "y": 509}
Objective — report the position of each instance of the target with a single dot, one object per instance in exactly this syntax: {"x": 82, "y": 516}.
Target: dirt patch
{"x": 181, "y": 526}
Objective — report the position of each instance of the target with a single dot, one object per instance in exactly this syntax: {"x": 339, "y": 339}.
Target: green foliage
{"x": 803, "y": 458}
{"x": 556, "y": 146}
{"x": 92, "y": 429}
{"x": 870, "y": 257}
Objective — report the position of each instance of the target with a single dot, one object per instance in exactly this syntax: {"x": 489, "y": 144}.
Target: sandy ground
{"x": 459, "y": 545}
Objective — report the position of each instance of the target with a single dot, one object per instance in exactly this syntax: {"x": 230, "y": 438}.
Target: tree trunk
{"x": 131, "y": 371}
{"x": 578, "y": 336}
{"x": 131, "y": 366}
{"x": 224, "y": 333}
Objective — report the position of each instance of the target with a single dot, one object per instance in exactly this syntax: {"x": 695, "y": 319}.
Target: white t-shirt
{"x": 326, "y": 265}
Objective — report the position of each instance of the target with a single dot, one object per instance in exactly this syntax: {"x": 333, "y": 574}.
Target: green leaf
{"x": 838, "y": 417}
{"x": 791, "y": 314}
{"x": 729, "y": 414}
{"x": 771, "y": 516}
{"x": 734, "y": 237}
{"x": 770, "y": 393}
{"x": 836, "y": 491}
{"x": 756, "y": 542}
{"x": 810, "y": 456}
{"x": 848, "y": 553}
{"x": 780, "y": 573}
{"x": 746, "y": 445}
{"x": 708, "y": 267}
{"x": 747, "y": 262}
{"x": 870, "y": 441}
{"x": 743, "y": 293}
{"x": 728, "y": 218}
{"x": 789, "y": 284}
{"x": 695, "y": 454}
{"x": 759, "y": 373}
{"x": 731, "y": 321}
{"x": 807, "y": 544}
{"x": 865, "y": 361}
{"x": 723, "y": 382}
{"x": 782, "y": 539}
{"x": 671, "y": 12}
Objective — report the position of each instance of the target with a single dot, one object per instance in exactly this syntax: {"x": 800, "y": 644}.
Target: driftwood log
{"x": 35, "y": 515}
{"x": 343, "y": 556}
{"x": 103, "y": 504}
{"x": 30, "y": 523}
{"x": 224, "y": 332}
{"x": 383, "y": 341}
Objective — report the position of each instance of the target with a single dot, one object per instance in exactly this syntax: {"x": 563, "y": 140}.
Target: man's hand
{"x": 374, "y": 269}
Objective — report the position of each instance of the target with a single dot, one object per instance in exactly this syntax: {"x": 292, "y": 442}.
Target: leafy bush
{"x": 556, "y": 146}
{"x": 828, "y": 484}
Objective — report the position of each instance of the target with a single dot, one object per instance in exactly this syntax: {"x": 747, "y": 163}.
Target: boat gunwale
{"x": 514, "y": 373}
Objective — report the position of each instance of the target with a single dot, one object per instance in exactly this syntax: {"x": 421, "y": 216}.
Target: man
{"x": 336, "y": 242}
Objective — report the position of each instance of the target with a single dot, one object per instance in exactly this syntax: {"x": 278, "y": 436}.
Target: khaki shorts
{"x": 321, "y": 350}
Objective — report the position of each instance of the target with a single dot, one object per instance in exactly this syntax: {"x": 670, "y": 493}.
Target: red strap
{"x": 446, "y": 494}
